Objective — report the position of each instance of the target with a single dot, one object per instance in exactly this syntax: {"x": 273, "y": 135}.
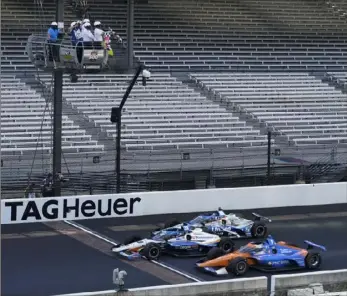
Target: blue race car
{"x": 265, "y": 256}
{"x": 195, "y": 243}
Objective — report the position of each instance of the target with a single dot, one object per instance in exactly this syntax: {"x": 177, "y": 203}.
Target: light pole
{"x": 116, "y": 117}
{"x": 57, "y": 111}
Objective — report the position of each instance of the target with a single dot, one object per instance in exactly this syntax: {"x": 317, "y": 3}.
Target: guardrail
{"x": 323, "y": 283}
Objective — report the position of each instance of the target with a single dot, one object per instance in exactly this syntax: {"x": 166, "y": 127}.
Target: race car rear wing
{"x": 258, "y": 217}
{"x": 311, "y": 245}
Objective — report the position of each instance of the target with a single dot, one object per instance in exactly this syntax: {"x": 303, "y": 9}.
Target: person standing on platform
{"x": 52, "y": 39}
{"x": 98, "y": 32}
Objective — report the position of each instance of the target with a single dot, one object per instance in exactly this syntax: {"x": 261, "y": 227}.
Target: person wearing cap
{"x": 84, "y": 22}
{"x": 98, "y": 32}
{"x": 87, "y": 34}
{"x": 52, "y": 38}
{"x": 52, "y": 34}
{"x": 76, "y": 34}
{"x": 72, "y": 27}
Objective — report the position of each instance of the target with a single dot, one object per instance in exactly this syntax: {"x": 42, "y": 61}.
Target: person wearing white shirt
{"x": 84, "y": 22}
{"x": 87, "y": 34}
{"x": 98, "y": 33}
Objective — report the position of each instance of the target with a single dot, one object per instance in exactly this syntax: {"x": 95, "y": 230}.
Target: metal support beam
{"x": 130, "y": 33}
{"x": 116, "y": 117}
{"x": 268, "y": 157}
{"x": 57, "y": 112}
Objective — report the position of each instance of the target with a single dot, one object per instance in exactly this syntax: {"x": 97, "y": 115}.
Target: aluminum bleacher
{"x": 204, "y": 35}
{"x": 26, "y": 123}
{"x": 339, "y": 77}
{"x": 339, "y": 7}
{"x": 21, "y": 18}
{"x": 166, "y": 114}
{"x": 299, "y": 105}
{"x": 286, "y": 39}
{"x": 234, "y": 35}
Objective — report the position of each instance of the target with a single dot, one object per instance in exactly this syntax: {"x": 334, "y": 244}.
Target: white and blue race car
{"x": 195, "y": 243}
{"x": 219, "y": 223}
{"x": 236, "y": 227}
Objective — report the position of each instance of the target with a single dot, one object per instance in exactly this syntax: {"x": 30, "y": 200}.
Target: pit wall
{"x": 312, "y": 283}
{"x": 14, "y": 211}
{"x": 323, "y": 283}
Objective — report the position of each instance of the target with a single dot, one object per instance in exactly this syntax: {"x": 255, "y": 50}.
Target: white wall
{"x": 151, "y": 203}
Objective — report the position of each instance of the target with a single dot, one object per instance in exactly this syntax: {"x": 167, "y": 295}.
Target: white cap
{"x": 73, "y": 24}
{"x": 86, "y": 21}
{"x": 97, "y": 23}
{"x": 54, "y": 24}
{"x": 87, "y": 25}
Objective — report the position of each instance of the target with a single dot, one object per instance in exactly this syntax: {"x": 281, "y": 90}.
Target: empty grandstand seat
{"x": 301, "y": 106}
{"x": 164, "y": 114}
{"x": 26, "y": 123}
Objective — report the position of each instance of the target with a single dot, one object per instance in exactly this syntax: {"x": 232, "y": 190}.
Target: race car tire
{"x": 237, "y": 266}
{"x": 214, "y": 253}
{"x": 226, "y": 244}
{"x": 152, "y": 251}
{"x": 171, "y": 223}
{"x": 132, "y": 239}
{"x": 313, "y": 260}
{"x": 258, "y": 230}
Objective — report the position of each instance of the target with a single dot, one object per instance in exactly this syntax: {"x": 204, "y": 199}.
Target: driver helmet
{"x": 224, "y": 221}
{"x": 270, "y": 241}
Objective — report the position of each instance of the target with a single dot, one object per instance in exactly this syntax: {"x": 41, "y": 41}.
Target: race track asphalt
{"x": 330, "y": 232}
{"x": 39, "y": 261}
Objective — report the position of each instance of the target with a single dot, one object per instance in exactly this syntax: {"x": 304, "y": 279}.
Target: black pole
{"x": 116, "y": 117}
{"x": 130, "y": 33}
{"x": 130, "y": 87}
{"x": 118, "y": 148}
{"x": 57, "y": 112}
{"x": 268, "y": 157}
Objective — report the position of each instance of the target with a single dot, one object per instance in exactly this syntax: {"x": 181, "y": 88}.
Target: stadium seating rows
{"x": 26, "y": 123}
{"x": 197, "y": 36}
{"x": 164, "y": 114}
{"x": 299, "y": 105}
{"x": 206, "y": 35}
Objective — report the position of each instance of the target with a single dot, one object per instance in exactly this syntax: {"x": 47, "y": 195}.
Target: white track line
{"x": 176, "y": 271}
{"x": 78, "y": 226}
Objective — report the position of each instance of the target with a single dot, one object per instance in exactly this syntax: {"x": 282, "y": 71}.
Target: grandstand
{"x": 224, "y": 73}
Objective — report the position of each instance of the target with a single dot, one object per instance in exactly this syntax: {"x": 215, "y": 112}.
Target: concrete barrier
{"x": 332, "y": 281}
{"x": 14, "y": 211}
{"x": 256, "y": 286}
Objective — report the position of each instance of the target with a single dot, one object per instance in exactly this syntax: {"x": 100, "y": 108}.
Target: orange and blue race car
{"x": 267, "y": 255}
